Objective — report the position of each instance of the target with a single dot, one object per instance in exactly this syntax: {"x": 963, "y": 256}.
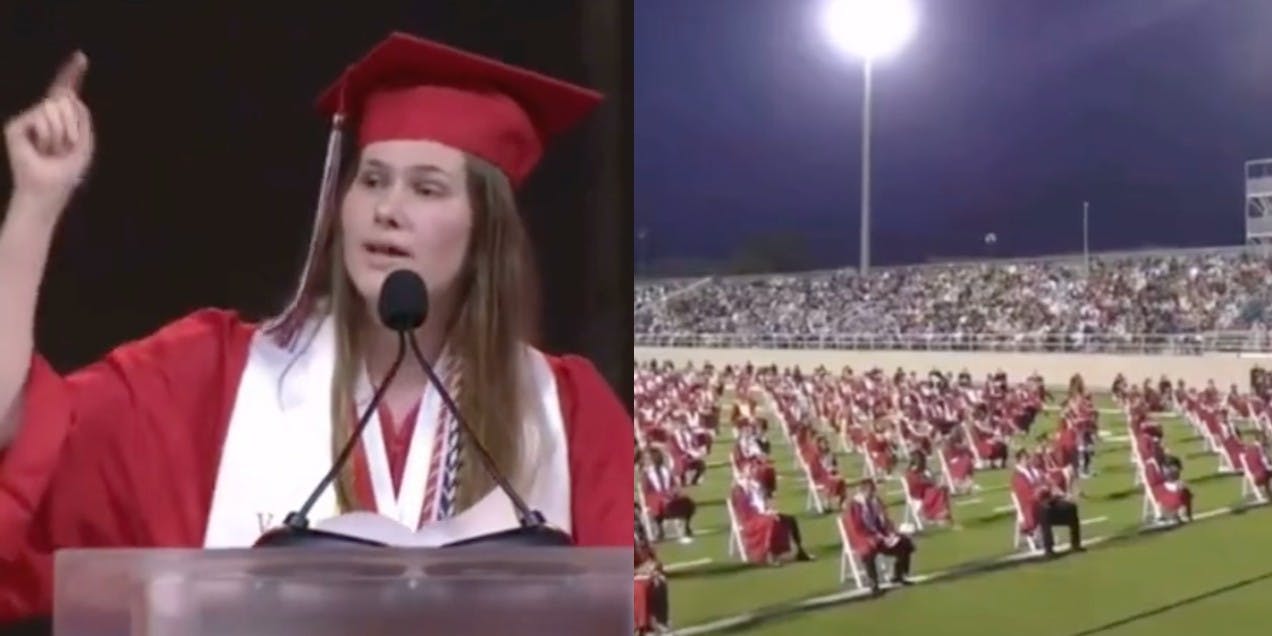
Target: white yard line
{"x": 685, "y": 565}
{"x": 1007, "y": 508}
{"x": 1213, "y": 513}
{"x": 965, "y": 502}
{"x": 1094, "y": 520}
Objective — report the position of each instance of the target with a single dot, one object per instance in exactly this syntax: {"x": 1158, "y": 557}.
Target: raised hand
{"x": 50, "y": 145}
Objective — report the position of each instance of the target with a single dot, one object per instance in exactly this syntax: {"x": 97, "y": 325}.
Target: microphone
{"x": 409, "y": 291}
{"x": 401, "y": 308}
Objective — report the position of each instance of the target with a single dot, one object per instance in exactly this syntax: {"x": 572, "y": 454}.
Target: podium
{"x": 345, "y": 592}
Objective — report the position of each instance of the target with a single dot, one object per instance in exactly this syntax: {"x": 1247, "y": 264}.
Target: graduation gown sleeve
{"x": 121, "y": 453}
{"x": 601, "y": 439}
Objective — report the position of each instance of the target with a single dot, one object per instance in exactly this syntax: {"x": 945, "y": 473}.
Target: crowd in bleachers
{"x": 930, "y": 435}
{"x": 1121, "y": 298}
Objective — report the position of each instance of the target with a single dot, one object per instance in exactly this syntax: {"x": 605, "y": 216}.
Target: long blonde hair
{"x": 495, "y": 316}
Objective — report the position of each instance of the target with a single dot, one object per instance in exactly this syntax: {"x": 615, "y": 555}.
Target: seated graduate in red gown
{"x": 1256, "y": 456}
{"x": 1230, "y": 443}
{"x": 934, "y": 498}
{"x": 663, "y": 495}
{"x": 1079, "y": 412}
{"x": 653, "y": 429}
{"x": 748, "y": 451}
{"x": 960, "y": 461}
{"x": 871, "y": 533}
{"x": 652, "y": 606}
{"x": 1163, "y": 477}
{"x": 209, "y": 431}
{"x": 991, "y": 444}
{"x": 1054, "y": 459}
{"x": 689, "y": 456}
{"x": 1042, "y": 505}
{"x": 879, "y": 446}
{"x": 702, "y": 424}
{"x": 767, "y": 534}
{"x": 825, "y": 470}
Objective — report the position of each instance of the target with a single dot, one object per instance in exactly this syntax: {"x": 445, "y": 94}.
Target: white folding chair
{"x": 1137, "y": 474}
{"x": 850, "y": 564}
{"x": 646, "y": 520}
{"x": 1151, "y": 513}
{"x": 913, "y": 507}
{"x": 1226, "y": 463}
{"x": 814, "y": 499}
{"x": 1250, "y": 490}
{"x": 736, "y": 547}
{"x": 979, "y": 459}
{"x": 1018, "y": 535}
{"x": 672, "y": 528}
{"x": 949, "y": 475}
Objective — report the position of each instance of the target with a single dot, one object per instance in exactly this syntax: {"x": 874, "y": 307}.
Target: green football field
{"x": 1214, "y": 575}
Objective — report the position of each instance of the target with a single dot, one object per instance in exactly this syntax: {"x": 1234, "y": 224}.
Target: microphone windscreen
{"x": 403, "y": 302}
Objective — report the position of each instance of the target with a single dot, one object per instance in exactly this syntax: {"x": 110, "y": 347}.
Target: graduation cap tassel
{"x": 289, "y": 323}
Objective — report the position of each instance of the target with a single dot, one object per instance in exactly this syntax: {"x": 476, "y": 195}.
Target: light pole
{"x": 642, "y": 258}
{"x": 1086, "y": 238}
{"x": 869, "y": 30}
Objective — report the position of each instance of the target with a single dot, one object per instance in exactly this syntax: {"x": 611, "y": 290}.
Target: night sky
{"x": 999, "y": 116}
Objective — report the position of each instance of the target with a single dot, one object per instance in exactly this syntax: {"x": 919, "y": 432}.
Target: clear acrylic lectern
{"x": 346, "y": 592}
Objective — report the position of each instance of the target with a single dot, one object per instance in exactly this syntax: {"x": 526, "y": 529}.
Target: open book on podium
{"x": 352, "y": 591}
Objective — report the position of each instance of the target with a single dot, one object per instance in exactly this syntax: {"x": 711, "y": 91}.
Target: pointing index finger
{"x": 70, "y": 76}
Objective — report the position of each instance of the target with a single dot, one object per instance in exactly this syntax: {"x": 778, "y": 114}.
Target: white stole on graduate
{"x": 405, "y": 505}
{"x": 278, "y": 446}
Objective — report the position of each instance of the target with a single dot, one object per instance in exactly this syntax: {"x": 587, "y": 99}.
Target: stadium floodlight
{"x": 870, "y": 30}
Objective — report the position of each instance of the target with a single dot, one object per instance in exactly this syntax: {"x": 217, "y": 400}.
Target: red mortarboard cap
{"x": 411, "y": 88}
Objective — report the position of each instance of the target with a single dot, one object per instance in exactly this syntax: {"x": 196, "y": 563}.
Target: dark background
{"x": 210, "y": 152}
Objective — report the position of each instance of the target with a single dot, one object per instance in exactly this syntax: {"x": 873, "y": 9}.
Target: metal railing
{"x": 1248, "y": 341}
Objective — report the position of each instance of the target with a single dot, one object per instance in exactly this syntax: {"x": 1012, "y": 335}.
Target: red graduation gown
{"x": 125, "y": 452}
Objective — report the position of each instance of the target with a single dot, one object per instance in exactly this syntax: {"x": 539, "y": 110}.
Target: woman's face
{"x": 407, "y": 208}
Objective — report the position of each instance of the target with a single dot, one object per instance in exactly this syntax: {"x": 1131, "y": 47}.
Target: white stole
{"x": 660, "y": 478}
{"x": 278, "y": 446}
{"x": 403, "y": 506}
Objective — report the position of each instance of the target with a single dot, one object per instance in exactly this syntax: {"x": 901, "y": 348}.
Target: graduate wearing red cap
{"x": 209, "y": 431}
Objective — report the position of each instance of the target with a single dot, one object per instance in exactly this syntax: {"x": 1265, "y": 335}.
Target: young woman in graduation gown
{"x": 207, "y": 432}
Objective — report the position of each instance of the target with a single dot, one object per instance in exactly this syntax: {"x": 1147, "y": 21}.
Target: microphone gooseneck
{"x": 532, "y": 528}
{"x": 525, "y": 516}
{"x": 300, "y": 519}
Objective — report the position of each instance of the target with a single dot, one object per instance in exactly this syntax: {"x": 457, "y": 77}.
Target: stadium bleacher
{"x": 1192, "y": 297}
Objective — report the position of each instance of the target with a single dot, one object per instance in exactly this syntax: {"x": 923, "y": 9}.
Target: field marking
{"x": 830, "y": 599}
{"x": 685, "y": 565}
{"x": 1007, "y": 508}
{"x": 1213, "y": 513}
{"x": 837, "y": 597}
{"x": 989, "y": 489}
{"x": 964, "y": 502}
{"x": 1094, "y": 520}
